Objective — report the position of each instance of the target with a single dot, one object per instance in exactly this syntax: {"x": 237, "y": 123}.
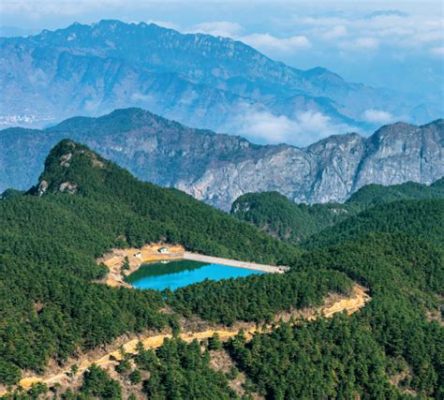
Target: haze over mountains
{"x": 200, "y": 80}
{"x": 218, "y": 168}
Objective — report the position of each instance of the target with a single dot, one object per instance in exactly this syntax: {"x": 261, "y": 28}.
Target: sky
{"x": 391, "y": 44}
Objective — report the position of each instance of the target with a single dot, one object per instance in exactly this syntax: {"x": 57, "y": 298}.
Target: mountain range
{"x": 196, "y": 79}
{"x": 218, "y": 168}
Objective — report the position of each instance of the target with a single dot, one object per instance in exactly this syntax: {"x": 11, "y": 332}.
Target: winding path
{"x": 333, "y": 304}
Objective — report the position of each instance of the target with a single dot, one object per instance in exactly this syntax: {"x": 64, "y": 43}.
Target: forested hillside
{"x": 83, "y": 206}
{"x": 294, "y": 223}
{"x": 282, "y": 218}
{"x": 51, "y": 307}
{"x": 374, "y": 194}
{"x": 257, "y": 298}
{"x": 392, "y": 349}
{"x": 421, "y": 219}
{"x": 49, "y": 241}
{"x": 137, "y": 213}
{"x": 396, "y": 341}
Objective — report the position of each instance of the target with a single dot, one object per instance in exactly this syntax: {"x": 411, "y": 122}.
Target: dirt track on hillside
{"x": 332, "y": 305}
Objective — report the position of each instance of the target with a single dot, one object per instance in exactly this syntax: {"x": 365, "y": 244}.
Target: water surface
{"x": 176, "y": 274}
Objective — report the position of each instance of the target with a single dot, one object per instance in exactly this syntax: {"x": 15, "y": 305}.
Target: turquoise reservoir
{"x": 176, "y": 274}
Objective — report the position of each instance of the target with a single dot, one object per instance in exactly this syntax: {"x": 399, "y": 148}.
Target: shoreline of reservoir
{"x": 181, "y": 273}
{"x": 123, "y": 262}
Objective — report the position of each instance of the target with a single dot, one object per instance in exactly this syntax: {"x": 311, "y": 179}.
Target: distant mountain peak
{"x": 196, "y": 79}
{"x": 438, "y": 123}
{"x": 391, "y": 129}
{"x": 323, "y": 73}
{"x": 120, "y": 121}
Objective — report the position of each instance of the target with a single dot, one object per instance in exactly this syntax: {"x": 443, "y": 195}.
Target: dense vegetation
{"x": 257, "y": 297}
{"x": 376, "y": 194}
{"x": 388, "y": 350}
{"x": 97, "y": 384}
{"x": 294, "y": 223}
{"x": 140, "y": 212}
{"x": 422, "y": 219}
{"x": 49, "y": 306}
{"x": 397, "y": 250}
{"x": 282, "y": 218}
{"x": 335, "y": 359}
{"x": 182, "y": 371}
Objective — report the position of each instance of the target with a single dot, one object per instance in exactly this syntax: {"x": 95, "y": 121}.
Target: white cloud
{"x": 336, "y": 32}
{"x": 347, "y": 31}
{"x": 388, "y": 28}
{"x": 264, "y": 42}
{"x": 385, "y": 13}
{"x": 266, "y": 127}
{"x": 363, "y": 43}
{"x": 378, "y": 116}
{"x": 39, "y": 8}
{"x": 437, "y": 51}
{"x": 303, "y": 129}
{"x": 143, "y": 98}
{"x": 218, "y": 28}
{"x": 432, "y": 35}
{"x": 269, "y": 43}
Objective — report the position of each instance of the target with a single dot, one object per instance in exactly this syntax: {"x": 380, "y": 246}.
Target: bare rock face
{"x": 220, "y": 185}
{"x": 218, "y": 168}
{"x": 64, "y": 160}
{"x": 42, "y": 188}
{"x": 332, "y": 169}
{"x": 402, "y": 152}
{"x": 68, "y": 187}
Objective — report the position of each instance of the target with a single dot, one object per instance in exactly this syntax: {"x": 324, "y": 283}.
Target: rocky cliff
{"x": 218, "y": 168}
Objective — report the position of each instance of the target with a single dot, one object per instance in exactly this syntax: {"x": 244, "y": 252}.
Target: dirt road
{"x": 332, "y": 305}
{"x": 233, "y": 263}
